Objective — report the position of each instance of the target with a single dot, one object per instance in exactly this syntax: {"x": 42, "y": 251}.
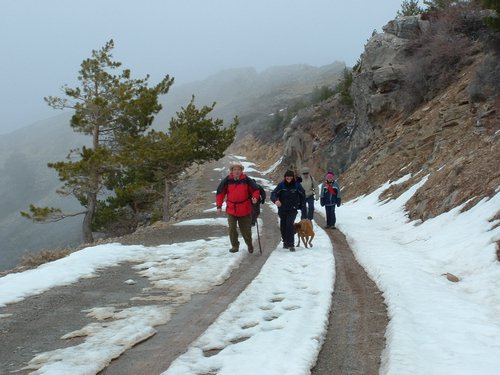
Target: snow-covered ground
{"x": 276, "y": 325}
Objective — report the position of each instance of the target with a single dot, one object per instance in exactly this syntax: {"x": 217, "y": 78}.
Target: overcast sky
{"x": 42, "y": 43}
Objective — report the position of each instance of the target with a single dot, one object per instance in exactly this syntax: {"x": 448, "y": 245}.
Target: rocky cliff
{"x": 450, "y": 139}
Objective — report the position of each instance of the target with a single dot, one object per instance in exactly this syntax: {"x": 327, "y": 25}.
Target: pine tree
{"x": 108, "y": 108}
{"x": 157, "y": 159}
{"x": 410, "y": 8}
{"x": 433, "y": 5}
{"x": 493, "y": 22}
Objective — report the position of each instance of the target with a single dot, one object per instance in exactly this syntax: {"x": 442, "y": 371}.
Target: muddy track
{"x": 358, "y": 318}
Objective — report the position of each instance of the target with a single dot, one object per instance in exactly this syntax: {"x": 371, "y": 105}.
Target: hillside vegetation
{"x": 426, "y": 102}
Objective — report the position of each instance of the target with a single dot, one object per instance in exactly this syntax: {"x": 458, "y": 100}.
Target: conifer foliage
{"x": 410, "y": 8}
{"x": 493, "y": 21}
{"x": 125, "y": 163}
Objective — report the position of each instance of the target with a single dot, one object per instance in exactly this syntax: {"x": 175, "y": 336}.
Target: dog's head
{"x": 297, "y": 226}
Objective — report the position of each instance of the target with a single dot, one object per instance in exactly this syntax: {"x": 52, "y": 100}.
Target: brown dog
{"x": 304, "y": 229}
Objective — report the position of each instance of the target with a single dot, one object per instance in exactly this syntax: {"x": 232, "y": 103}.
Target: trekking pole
{"x": 258, "y": 235}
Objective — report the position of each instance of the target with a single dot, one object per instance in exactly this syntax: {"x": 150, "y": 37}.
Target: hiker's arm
{"x": 274, "y": 196}
{"x": 316, "y": 190}
{"x": 255, "y": 194}
{"x": 220, "y": 194}
{"x": 253, "y": 190}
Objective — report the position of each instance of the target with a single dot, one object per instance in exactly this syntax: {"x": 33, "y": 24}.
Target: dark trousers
{"x": 330, "y": 215}
{"x": 245, "y": 225}
{"x": 307, "y": 211}
{"x": 287, "y": 218}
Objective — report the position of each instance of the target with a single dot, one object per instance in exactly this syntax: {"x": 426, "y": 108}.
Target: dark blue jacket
{"x": 290, "y": 195}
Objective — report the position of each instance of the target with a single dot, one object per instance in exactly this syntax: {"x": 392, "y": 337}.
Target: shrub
{"x": 321, "y": 93}
{"x": 44, "y": 256}
{"x": 440, "y": 51}
{"x": 343, "y": 88}
{"x": 487, "y": 81}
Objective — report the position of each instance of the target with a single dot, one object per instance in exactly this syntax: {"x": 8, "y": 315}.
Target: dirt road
{"x": 353, "y": 344}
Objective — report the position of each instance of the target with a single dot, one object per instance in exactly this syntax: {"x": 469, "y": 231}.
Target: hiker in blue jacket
{"x": 289, "y": 197}
{"x": 330, "y": 197}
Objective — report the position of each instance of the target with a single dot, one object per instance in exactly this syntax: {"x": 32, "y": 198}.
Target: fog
{"x": 43, "y": 42}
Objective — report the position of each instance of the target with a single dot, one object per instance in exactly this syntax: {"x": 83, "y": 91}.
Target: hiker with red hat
{"x": 240, "y": 192}
{"x": 330, "y": 197}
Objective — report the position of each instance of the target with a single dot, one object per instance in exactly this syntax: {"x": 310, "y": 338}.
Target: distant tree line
{"x": 128, "y": 166}
{"x": 412, "y": 7}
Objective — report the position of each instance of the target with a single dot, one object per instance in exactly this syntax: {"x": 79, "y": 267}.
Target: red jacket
{"x": 238, "y": 193}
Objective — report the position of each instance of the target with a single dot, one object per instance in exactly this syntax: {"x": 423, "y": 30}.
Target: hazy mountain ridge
{"x": 240, "y": 92}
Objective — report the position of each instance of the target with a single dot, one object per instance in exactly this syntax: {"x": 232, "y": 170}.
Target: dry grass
{"x": 44, "y": 256}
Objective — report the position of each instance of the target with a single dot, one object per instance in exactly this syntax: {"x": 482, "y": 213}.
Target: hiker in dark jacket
{"x": 240, "y": 192}
{"x": 288, "y": 196}
{"x": 330, "y": 197}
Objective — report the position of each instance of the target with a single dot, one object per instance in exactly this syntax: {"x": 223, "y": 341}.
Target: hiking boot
{"x": 328, "y": 227}
{"x": 250, "y": 249}
{"x": 292, "y": 248}
{"x": 285, "y": 246}
{"x": 233, "y": 250}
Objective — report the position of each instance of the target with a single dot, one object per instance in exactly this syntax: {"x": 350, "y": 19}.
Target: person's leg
{"x": 334, "y": 217}
{"x": 303, "y": 211}
{"x": 328, "y": 216}
{"x": 310, "y": 207}
{"x": 282, "y": 217}
{"x": 245, "y": 224}
{"x": 233, "y": 232}
{"x": 289, "y": 230}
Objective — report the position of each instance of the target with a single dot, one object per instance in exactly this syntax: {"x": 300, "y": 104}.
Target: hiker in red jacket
{"x": 240, "y": 192}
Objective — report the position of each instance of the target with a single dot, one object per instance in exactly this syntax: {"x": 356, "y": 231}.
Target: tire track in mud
{"x": 358, "y": 318}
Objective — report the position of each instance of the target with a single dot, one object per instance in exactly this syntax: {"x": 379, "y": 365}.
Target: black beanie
{"x": 289, "y": 173}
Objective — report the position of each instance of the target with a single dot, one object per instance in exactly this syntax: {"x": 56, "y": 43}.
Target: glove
{"x": 338, "y": 202}
{"x": 322, "y": 202}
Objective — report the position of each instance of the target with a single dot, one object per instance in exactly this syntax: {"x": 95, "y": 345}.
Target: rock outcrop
{"x": 451, "y": 139}
{"x": 375, "y": 92}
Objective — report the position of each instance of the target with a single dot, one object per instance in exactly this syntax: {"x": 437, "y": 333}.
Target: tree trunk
{"x": 87, "y": 220}
{"x": 91, "y": 194}
{"x": 166, "y": 202}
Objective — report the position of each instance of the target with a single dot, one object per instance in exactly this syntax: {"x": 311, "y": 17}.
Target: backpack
{"x": 262, "y": 194}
